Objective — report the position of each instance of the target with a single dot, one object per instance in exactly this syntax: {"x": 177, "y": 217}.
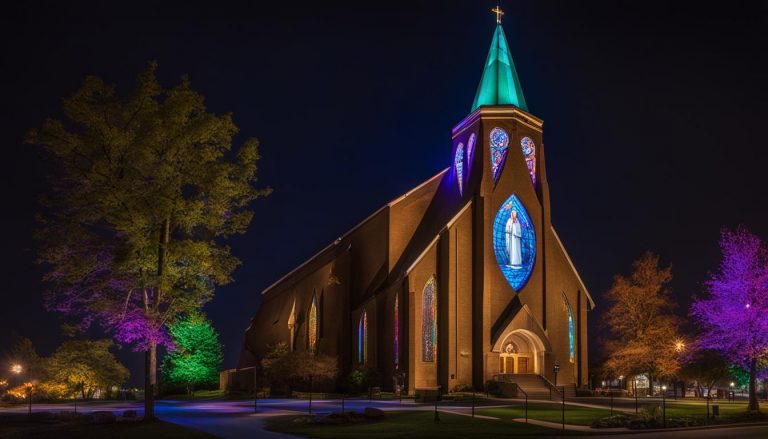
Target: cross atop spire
{"x": 499, "y": 13}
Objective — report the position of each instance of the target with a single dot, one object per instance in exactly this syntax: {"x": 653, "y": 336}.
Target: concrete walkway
{"x": 572, "y": 427}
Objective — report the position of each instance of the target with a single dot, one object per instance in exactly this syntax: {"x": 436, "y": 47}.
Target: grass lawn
{"x": 549, "y": 412}
{"x": 76, "y": 430}
{"x": 412, "y": 424}
{"x": 729, "y": 412}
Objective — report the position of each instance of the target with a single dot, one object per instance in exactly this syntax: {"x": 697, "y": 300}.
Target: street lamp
{"x": 733, "y": 395}
{"x": 664, "y": 405}
{"x": 17, "y": 369}
{"x": 636, "y": 404}
{"x": 556, "y": 369}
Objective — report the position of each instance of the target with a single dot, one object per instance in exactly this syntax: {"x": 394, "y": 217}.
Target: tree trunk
{"x": 149, "y": 392}
{"x": 150, "y": 380}
{"x": 753, "y": 404}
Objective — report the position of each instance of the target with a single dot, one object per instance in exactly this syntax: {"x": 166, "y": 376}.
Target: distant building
{"x": 460, "y": 281}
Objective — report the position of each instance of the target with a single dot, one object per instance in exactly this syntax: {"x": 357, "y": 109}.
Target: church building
{"x": 461, "y": 281}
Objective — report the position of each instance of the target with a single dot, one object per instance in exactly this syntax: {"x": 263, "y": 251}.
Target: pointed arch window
{"x": 499, "y": 143}
{"x": 292, "y": 325}
{"x": 312, "y": 325}
{"x": 571, "y": 332}
{"x": 529, "y": 152}
{"x": 362, "y": 339}
{"x": 458, "y": 162}
{"x": 397, "y": 331}
{"x": 470, "y": 150}
{"x": 429, "y": 321}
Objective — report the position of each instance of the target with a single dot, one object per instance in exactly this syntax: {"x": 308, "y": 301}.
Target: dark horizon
{"x": 653, "y": 118}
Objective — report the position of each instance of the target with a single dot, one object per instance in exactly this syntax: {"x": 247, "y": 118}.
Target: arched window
{"x": 458, "y": 162}
{"x": 362, "y": 339}
{"x": 397, "y": 331}
{"x": 571, "y": 334}
{"x": 429, "y": 321}
{"x": 312, "y": 325}
{"x": 529, "y": 152}
{"x": 499, "y": 142}
{"x": 470, "y": 150}
{"x": 514, "y": 242}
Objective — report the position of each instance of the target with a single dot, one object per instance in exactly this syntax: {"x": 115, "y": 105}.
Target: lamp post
{"x": 664, "y": 405}
{"x": 733, "y": 395}
{"x": 556, "y": 369}
{"x": 636, "y": 404}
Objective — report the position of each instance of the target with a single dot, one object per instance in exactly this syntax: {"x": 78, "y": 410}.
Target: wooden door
{"x": 522, "y": 365}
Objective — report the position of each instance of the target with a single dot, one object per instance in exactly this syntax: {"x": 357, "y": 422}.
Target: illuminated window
{"x": 470, "y": 150}
{"x": 514, "y": 242}
{"x": 499, "y": 141}
{"x": 458, "y": 162}
{"x": 429, "y": 321}
{"x": 313, "y": 327}
{"x": 397, "y": 331}
{"x": 529, "y": 152}
{"x": 362, "y": 339}
{"x": 571, "y": 334}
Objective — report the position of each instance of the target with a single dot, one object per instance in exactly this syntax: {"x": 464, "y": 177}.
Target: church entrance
{"x": 519, "y": 354}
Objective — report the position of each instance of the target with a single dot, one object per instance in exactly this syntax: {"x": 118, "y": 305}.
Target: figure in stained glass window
{"x": 313, "y": 326}
{"x": 458, "y": 162}
{"x": 514, "y": 242}
{"x": 499, "y": 141}
{"x": 529, "y": 152}
{"x": 362, "y": 339}
{"x": 429, "y": 321}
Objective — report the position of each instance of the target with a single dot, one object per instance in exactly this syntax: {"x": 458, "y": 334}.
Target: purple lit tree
{"x": 145, "y": 189}
{"x": 734, "y": 316}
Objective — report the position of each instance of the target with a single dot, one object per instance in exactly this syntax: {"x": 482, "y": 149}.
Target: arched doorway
{"x": 522, "y": 352}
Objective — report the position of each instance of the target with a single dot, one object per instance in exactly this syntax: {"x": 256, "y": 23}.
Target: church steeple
{"x": 499, "y": 84}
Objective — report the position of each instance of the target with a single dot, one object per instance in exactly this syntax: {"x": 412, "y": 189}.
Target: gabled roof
{"x": 499, "y": 84}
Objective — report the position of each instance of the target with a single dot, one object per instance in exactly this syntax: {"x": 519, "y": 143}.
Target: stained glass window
{"x": 362, "y": 339}
{"x": 514, "y": 242}
{"x": 470, "y": 150}
{"x": 529, "y": 152}
{"x": 499, "y": 141}
{"x": 313, "y": 327}
{"x": 458, "y": 161}
{"x": 429, "y": 321}
{"x": 397, "y": 332}
{"x": 571, "y": 335}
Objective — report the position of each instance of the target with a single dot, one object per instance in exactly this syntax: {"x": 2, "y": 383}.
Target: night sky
{"x": 655, "y": 122}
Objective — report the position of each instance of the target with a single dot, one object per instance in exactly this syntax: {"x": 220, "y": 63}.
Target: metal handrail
{"x": 526, "y": 401}
{"x": 551, "y": 386}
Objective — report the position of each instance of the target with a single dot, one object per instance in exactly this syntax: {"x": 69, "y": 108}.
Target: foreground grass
{"x": 413, "y": 424}
{"x": 549, "y": 412}
{"x": 16, "y": 429}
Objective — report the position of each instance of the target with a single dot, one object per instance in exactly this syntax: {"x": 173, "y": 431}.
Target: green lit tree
{"x": 145, "y": 189}
{"x": 197, "y": 355}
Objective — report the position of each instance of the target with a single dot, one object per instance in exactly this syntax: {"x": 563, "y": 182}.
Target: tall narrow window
{"x": 312, "y": 325}
{"x": 458, "y": 162}
{"x": 499, "y": 142}
{"x": 470, "y": 150}
{"x": 429, "y": 321}
{"x": 397, "y": 331}
{"x": 571, "y": 334}
{"x": 529, "y": 152}
{"x": 362, "y": 339}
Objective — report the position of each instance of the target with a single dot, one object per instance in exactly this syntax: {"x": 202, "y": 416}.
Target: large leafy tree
{"x": 642, "y": 325}
{"x": 145, "y": 188}
{"x": 85, "y": 366}
{"x": 734, "y": 314}
{"x": 196, "y": 356}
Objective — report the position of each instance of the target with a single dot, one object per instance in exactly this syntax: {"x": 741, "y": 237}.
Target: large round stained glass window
{"x": 499, "y": 141}
{"x": 514, "y": 242}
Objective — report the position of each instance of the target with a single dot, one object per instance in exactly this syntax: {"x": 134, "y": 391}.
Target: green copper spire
{"x": 499, "y": 84}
